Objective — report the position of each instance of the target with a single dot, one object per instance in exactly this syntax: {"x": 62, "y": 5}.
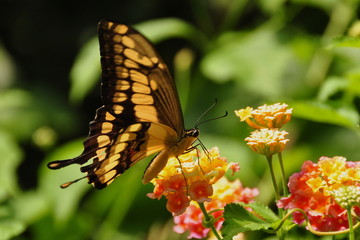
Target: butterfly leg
{"x": 187, "y": 186}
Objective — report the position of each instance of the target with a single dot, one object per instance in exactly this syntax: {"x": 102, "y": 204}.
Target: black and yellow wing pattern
{"x": 141, "y": 114}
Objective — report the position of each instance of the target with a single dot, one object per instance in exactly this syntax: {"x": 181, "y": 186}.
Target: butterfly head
{"x": 192, "y": 133}
{"x": 189, "y": 137}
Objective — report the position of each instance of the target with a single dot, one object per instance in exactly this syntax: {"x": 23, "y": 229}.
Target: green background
{"x": 241, "y": 52}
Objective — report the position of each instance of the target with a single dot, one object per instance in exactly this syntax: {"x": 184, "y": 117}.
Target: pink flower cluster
{"x": 313, "y": 188}
{"x": 224, "y": 192}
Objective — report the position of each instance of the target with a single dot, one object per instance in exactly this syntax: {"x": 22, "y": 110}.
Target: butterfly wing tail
{"x": 63, "y": 163}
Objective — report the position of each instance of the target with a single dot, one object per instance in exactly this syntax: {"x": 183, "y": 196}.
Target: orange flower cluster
{"x": 190, "y": 177}
{"x": 323, "y": 190}
{"x": 224, "y": 192}
{"x": 266, "y": 119}
{"x": 266, "y": 116}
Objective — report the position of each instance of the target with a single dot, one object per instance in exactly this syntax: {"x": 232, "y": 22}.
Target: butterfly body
{"x": 141, "y": 113}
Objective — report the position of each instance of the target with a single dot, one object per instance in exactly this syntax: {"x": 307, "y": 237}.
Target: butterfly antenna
{"x": 198, "y": 123}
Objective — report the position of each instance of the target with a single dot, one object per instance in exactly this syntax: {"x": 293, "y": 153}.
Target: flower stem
{"x": 280, "y": 233}
{"x": 310, "y": 228}
{"x": 209, "y": 221}
{"x": 269, "y": 159}
{"x": 285, "y": 192}
{"x": 351, "y": 227}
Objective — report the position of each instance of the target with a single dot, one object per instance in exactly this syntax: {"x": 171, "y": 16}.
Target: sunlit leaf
{"x": 324, "y": 4}
{"x": 16, "y": 104}
{"x": 331, "y": 86}
{"x": 321, "y": 112}
{"x": 354, "y": 82}
{"x": 239, "y": 219}
{"x": 63, "y": 202}
{"x": 161, "y": 29}
{"x": 117, "y": 199}
{"x": 11, "y": 156}
{"x": 255, "y": 59}
{"x": 263, "y": 211}
{"x": 23, "y": 112}
{"x": 345, "y": 41}
{"x": 30, "y": 206}
{"x": 85, "y": 73}
{"x": 271, "y": 6}
{"x": 10, "y": 228}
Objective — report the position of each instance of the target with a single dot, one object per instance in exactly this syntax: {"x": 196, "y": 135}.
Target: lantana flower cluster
{"x": 266, "y": 116}
{"x": 224, "y": 192}
{"x": 267, "y": 139}
{"x": 324, "y": 190}
{"x": 198, "y": 178}
{"x": 190, "y": 177}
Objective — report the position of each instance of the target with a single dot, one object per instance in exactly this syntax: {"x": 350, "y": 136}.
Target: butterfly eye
{"x": 193, "y": 133}
{"x": 196, "y": 133}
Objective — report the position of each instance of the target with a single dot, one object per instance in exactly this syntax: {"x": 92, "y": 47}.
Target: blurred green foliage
{"x": 244, "y": 53}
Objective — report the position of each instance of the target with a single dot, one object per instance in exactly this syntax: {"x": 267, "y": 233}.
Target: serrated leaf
{"x": 263, "y": 211}
{"x": 238, "y": 219}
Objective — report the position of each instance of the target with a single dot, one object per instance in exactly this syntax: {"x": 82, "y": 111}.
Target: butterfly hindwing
{"x": 141, "y": 113}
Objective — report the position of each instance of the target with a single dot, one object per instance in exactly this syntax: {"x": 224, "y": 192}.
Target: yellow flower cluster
{"x": 267, "y": 141}
{"x": 190, "y": 177}
{"x": 266, "y": 119}
{"x": 266, "y": 116}
{"x": 335, "y": 173}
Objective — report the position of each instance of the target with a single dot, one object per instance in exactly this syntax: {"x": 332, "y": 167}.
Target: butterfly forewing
{"x": 134, "y": 75}
{"x": 141, "y": 113}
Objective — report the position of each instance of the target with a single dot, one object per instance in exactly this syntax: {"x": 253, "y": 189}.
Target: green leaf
{"x": 63, "y": 202}
{"x": 11, "y": 156}
{"x": 256, "y": 60}
{"x": 263, "y": 211}
{"x": 30, "y": 206}
{"x": 22, "y": 113}
{"x": 345, "y": 41}
{"x": 324, "y": 4}
{"x": 238, "y": 219}
{"x": 272, "y": 6}
{"x": 331, "y": 86}
{"x": 85, "y": 73}
{"x": 19, "y": 105}
{"x": 354, "y": 82}
{"x": 10, "y": 228}
{"x": 322, "y": 112}
{"x": 161, "y": 29}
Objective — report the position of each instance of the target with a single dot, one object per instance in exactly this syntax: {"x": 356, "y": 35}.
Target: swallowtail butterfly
{"x": 141, "y": 114}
